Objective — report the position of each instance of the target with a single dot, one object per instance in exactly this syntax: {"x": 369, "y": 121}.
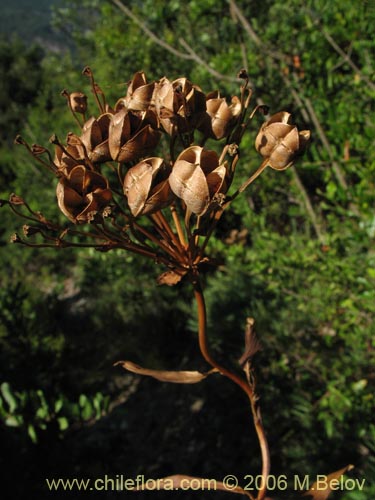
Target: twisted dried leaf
{"x": 252, "y": 344}
{"x": 322, "y": 490}
{"x": 176, "y": 377}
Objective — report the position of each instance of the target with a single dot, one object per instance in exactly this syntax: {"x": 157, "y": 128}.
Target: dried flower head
{"x": 94, "y": 138}
{"x": 112, "y": 169}
{"x": 82, "y": 192}
{"x": 78, "y": 102}
{"x": 196, "y": 177}
{"x": 180, "y": 105}
{"x": 132, "y": 135}
{"x": 280, "y": 141}
{"x": 147, "y": 188}
{"x": 220, "y": 117}
{"x": 139, "y": 96}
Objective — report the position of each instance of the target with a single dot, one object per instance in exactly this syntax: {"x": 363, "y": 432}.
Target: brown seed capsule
{"x": 180, "y": 105}
{"x": 220, "y": 117}
{"x": 81, "y": 192}
{"x": 78, "y": 102}
{"x": 95, "y": 138}
{"x": 280, "y": 141}
{"x": 139, "y": 95}
{"x": 132, "y": 135}
{"x": 147, "y": 188}
{"x": 68, "y": 157}
{"x": 196, "y": 177}
{"x": 31, "y": 230}
{"x": 14, "y": 199}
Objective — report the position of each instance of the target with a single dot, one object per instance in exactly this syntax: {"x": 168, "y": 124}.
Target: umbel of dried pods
{"x": 142, "y": 175}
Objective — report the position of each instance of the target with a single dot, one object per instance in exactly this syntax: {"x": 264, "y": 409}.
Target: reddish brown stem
{"x": 242, "y": 383}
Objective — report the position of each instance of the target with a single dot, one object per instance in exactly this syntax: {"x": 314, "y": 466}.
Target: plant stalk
{"x": 243, "y": 384}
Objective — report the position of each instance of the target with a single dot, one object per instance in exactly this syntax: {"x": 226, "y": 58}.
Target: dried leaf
{"x": 177, "y": 377}
{"x": 322, "y": 488}
{"x": 169, "y": 278}
{"x": 252, "y": 344}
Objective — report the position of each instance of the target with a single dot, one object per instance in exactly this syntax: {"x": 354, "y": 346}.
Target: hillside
{"x": 29, "y": 20}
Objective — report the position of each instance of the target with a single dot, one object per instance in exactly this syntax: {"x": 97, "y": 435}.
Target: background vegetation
{"x": 296, "y": 254}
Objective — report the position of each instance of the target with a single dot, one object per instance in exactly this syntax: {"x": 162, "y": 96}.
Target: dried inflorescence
{"x": 196, "y": 177}
{"x": 147, "y": 187}
{"x": 139, "y": 176}
{"x": 82, "y": 192}
{"x": 281, "y": 142}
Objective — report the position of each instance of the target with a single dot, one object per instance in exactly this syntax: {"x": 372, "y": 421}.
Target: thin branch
{"x": 148, "y": 32}
{"x": 308, "y": 205}
{"x": 251, "y": 179}
{"x": 339, "y": 50}
{"x": 251, "y": 33}
{"x": 178, "y": 226}
{"x": 190, "y": 54}
{"x": 208, "y": 68}
{"x": 336, "y": 168}
{"x": 305, "y": 106}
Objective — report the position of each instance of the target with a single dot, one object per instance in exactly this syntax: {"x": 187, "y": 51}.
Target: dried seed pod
{"x": 146, "y": 186}
{"x": 180, "y": 105}
{"x": 220, "y": 117}
{"x": 139, "y": 95}
{"x": 95, "y": 138}
{"x": 81, "y": 192}
{"x": 280, "y": 141}
{"x": 196, "y": 177}
{"x": 132, "y": 135}
{"x": 14, "y": 199}
{"x": 78, "y": 102}
{"x": 69, "y": 156}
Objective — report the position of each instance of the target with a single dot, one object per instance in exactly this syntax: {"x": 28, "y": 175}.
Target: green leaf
{"x": 14, "y": 421}
{"x": 58, "y": 405}
{"x": 32, "y": 434}
{"x": 87, "y": 410}
{"x": 8, "y": 396}
{"x": 63, "y": 423}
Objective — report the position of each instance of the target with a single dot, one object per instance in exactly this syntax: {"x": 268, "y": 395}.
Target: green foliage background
{"x": 296, "y": 253}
